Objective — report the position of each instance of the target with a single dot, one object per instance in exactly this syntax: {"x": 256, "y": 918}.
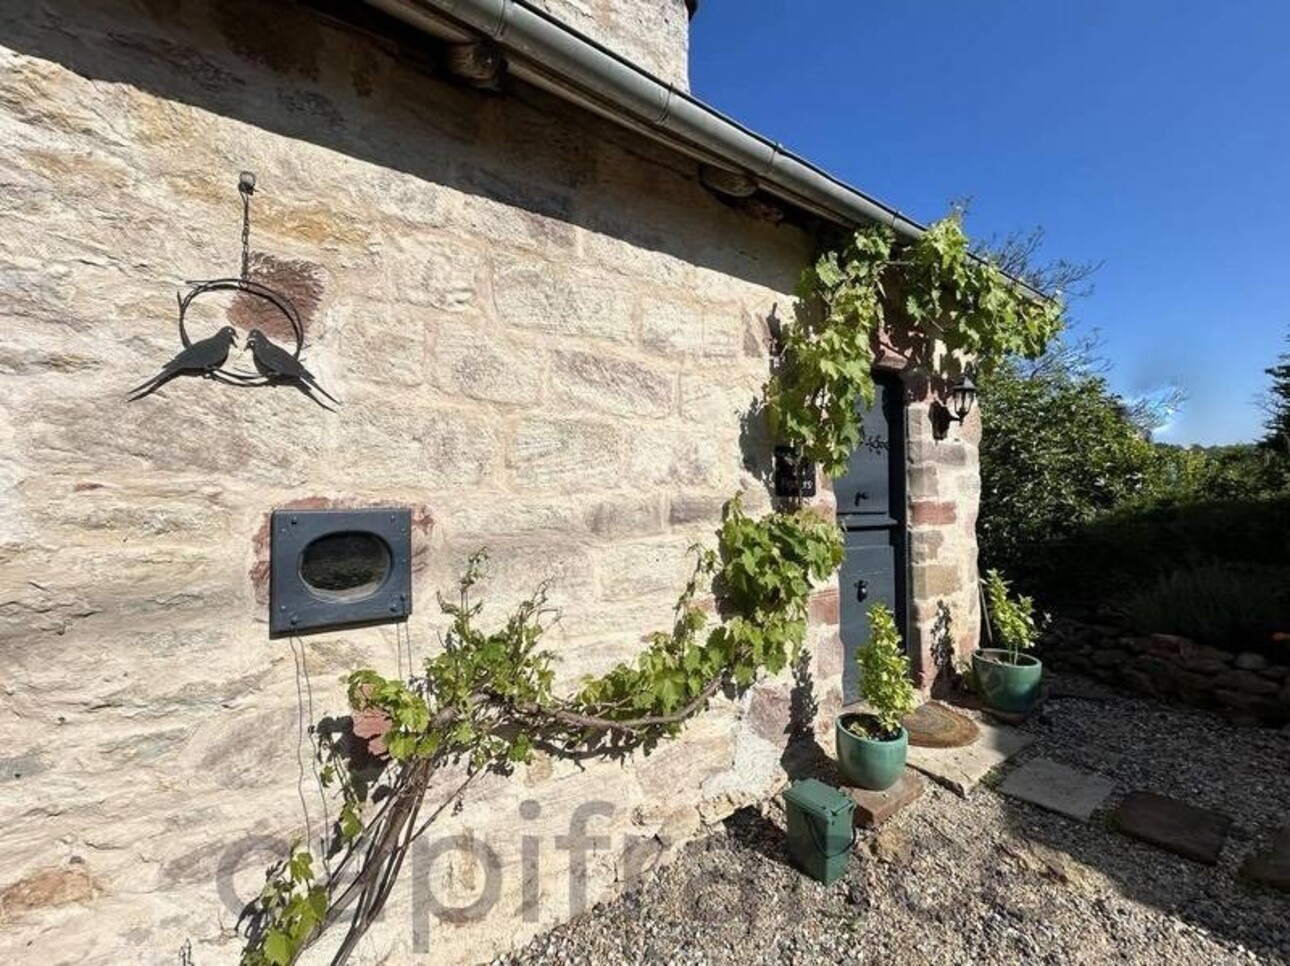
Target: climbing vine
{"x": 487, "y": 700}
{"x": 951, "y": 307}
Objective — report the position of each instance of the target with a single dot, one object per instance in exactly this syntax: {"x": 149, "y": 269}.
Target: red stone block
{"x": 371, "y": 726}
{"x": 874, "y": 808}
{"x": 931, "y": 512}
{"x": 823, "y": 607}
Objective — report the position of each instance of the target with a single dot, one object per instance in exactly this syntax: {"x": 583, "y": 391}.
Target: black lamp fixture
{"x": 962, "y": 399}
{"x": 963, "y": 395}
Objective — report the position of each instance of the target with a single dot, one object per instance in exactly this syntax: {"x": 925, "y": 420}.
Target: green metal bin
{"x": 821, "y": 828}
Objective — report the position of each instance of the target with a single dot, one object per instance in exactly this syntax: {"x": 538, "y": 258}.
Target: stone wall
{"x": 653, "y": 34}
{"x": 544, "y": 340}
{"x": 1173, "y": 668}
{"x": 944, "y": 480}
{"x": 544, "y": 333}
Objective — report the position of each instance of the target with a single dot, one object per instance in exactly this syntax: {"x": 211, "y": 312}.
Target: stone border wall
{"x": 1173, "y": 668}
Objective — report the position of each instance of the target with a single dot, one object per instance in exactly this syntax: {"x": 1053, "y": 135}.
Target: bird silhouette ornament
{"x": 207, "y": 357}
{"x": 276, "y": 364}
{"x": 201, "y": 358}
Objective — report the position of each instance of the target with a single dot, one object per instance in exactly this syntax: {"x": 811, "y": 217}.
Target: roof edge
{"x": 549, "y": 53}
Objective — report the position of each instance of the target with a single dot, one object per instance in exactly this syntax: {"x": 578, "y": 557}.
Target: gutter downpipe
{"x": 555, "y": 57}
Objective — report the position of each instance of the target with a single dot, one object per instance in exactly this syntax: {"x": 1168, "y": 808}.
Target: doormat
{"x": 933, "y": 725}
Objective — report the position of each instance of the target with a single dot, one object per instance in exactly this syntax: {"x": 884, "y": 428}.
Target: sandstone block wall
{"x": 653, "y": 34}
{"x": 544, "y": 333}
{"x": 944, "y": 482}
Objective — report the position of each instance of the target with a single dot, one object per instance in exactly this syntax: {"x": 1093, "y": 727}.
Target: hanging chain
{"x": 246, "y": 186}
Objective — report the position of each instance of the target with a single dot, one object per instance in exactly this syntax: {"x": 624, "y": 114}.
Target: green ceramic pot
{"x": 1005, "y": 686}
{"x": 866, "y": 763}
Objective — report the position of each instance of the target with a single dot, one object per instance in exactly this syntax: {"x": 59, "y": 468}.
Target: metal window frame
{"x": 295, "y": 608}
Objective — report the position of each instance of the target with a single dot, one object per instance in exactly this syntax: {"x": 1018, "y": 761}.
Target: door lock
{"x": 862, "y": 589}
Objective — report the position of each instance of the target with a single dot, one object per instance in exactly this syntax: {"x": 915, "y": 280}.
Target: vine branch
{"x": 486, "y": 699}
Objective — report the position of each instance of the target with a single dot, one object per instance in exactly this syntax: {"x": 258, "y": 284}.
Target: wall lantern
{"x": 962, "y": 399}
{"x": 963, "y": 396}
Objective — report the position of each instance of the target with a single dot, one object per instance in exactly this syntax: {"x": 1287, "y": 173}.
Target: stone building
{"x": 543, "y": 281}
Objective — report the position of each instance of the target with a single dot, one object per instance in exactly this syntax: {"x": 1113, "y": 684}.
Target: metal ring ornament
{"x": 279, "y": 301}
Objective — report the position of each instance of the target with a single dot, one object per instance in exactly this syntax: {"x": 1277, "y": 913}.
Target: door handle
{"x": 862, "y": 495}
{"x": 862, "y": 589}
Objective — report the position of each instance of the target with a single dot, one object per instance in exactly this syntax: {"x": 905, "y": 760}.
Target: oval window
{"x": 345, "y": 566}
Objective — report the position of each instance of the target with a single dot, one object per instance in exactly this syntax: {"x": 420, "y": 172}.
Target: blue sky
{"x": 1153, "y": 136}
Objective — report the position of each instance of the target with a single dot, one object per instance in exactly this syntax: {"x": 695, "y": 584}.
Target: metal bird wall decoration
{"x": 278, "y": 365}
{"x": 207, "y": 357}
{"x": 200, "y": 358}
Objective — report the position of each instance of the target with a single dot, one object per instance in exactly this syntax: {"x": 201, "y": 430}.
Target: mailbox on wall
{"x": 338, "y": 568}
{"x": 794, "y": 475}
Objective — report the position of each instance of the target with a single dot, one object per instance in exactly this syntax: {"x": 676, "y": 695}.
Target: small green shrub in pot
{"x": 1007, "y": 679}
{"x": 872, "y": 746}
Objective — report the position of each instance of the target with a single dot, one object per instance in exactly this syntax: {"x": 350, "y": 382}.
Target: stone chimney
{"x": 652, "y": 34}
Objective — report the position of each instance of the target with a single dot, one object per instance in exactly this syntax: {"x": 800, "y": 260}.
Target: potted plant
{"x": 872, "y": 745}
{"x": 1006, "y": 679}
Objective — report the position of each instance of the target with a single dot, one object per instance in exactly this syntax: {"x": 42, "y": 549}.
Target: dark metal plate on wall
{"x": 794, "y": 476}
{"x": 338, "y": 568}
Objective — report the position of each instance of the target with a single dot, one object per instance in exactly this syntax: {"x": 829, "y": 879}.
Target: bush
{"x": 884, "y": 673}
{"x": 1057, "y": 452}
{"x": 1237, "y": 472}
{"x": 1013, "y": 620}
{"x": 1227, "y": 605}
{"x": 1136, "y": 545}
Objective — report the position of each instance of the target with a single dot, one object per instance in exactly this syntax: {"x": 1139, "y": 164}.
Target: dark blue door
{"x": 871, "y": 512}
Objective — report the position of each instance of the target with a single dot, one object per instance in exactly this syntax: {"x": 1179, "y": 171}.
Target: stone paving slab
{"x": 1195, "y": 833}
{"x": 960, "y": 769}
{"x": 1058, "y": 788}
{"x": 874, "y": 808}
{"x": 1271, "y": 868}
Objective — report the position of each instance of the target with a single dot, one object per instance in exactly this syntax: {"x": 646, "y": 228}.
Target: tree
{"x": 1083, "y": 356}
{"x": 1277, "y": 406}
{"x": 1017, "y": 254}
{"x": 1058, "y": 449}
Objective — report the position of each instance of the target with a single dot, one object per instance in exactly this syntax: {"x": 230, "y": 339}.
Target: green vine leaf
{"x": 277, "y": 948}
{"x": 486, "y": 698}
{"x": 948, "y": 296}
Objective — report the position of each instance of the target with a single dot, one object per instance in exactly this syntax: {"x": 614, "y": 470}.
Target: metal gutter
{"x": 551, "y": 55}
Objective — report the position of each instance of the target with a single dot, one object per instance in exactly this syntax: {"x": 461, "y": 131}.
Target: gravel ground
{"x": 985, "y": 879}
